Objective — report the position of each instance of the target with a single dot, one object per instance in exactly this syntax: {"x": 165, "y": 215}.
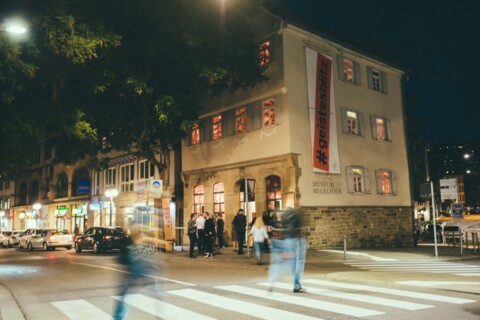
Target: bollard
{"x": 344, "y": 247}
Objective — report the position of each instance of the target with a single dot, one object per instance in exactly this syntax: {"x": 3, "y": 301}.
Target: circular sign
{"x": 21, "y": 215}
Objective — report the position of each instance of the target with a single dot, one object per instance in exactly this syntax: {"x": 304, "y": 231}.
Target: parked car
{"x": 101, "y": 239}
{"x": 25, "y": 238}
{"x": 50, "y": 239}
{"x": 13, "y": 238}
{"x": 5, "y": 234}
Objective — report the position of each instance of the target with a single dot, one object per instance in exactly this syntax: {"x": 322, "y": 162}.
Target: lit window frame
{"x": 268, "y": 111}
{"x": 217, "y": 127}
{"x": 241, "y": 120}
{"x": 198, "y": 198}
{"x": 218, "y": 198}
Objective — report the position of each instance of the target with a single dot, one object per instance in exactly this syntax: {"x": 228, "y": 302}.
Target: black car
{"x": 101, "y": 239}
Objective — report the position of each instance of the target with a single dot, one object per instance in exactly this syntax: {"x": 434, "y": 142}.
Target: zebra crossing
{"x": 427, "y": 266}
{"x": 325, "y": 299}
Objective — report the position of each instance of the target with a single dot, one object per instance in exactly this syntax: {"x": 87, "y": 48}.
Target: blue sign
{"x": 457, "y": 211}
{"x": 83, "y": 186}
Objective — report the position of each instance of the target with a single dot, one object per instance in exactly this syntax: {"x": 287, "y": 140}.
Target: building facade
{"x": 325, "y": 134}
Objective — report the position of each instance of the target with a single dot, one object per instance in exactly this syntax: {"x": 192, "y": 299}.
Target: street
{"x": 61, "y": 284}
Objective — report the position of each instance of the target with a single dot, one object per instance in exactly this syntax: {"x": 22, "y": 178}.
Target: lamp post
{"x": 111, "y": 193}
{"x": 14, "y": 26}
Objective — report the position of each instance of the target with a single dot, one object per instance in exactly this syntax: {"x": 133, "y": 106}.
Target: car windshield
{"x": 60, "y": 232}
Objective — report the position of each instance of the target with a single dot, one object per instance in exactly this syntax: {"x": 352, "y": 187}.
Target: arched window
{"x": 22, "y": 193}
{"x": 80, "y": 177}
{"x": 33, "y": 192}
{"x": 62, "y": 185}
{"x": 218, "y": 198}
{"x": 198, "y": 199}
{"x": 274, "y": 193}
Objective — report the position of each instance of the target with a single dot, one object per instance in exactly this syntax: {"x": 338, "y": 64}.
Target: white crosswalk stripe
{"x": 322, "y": 299}
{"x": 418, "y": 266}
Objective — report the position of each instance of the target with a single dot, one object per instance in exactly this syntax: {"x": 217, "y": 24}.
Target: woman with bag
{"x": 259, "y": 234}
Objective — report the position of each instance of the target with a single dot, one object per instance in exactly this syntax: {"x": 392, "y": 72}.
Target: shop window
{"x": 198, "y": 199}
{"x": 386, "y": 181}
{"x": 217, "y": 127}
{"x": 126, "y": 177}
{"x": 62, "y": 185}
{"x": 274, "y": 193}
{"x": 241, "y": 120}
{"x": 218, "y": 198}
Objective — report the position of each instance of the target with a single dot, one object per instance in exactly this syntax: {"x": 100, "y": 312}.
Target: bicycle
{"x": 147, "y": 249}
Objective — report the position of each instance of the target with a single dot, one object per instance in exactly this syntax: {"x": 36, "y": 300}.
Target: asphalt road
{"x": 376, "y": 285}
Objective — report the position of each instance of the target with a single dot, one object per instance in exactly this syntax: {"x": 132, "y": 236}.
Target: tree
{"x": 133, "y": 74}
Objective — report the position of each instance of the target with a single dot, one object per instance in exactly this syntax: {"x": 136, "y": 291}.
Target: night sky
{"x": 436, "y": 43}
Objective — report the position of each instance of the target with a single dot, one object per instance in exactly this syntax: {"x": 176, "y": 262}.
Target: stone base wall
{"x": 363, "y": 227}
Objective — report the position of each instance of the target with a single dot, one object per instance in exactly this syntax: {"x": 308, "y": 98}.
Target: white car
{"x": 3, "y": 235}
{"x": 13, "y": 239}
{"x": 25, "y": 238}
{"x": 49, "y": 239}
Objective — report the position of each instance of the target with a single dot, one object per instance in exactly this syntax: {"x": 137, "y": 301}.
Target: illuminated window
{"x": 195, "y": 134}
{"x": 268, "y": 112}
{"x": 274, "y": 193}
{"x": 217, "y": 127}
{"x": 358, "y": 180}
{"x": 241, "y": 120}
{"x": 126, "y": 177}
{"x": 218, "y": 198}
{"x": 353, "y": 123}
{"x": 380, "y": 128}
{"x": 386, "y": 183}
{"x": 348, "y": 70}
{"x": 198, "y": 199}
{"x": 265, "y": 53}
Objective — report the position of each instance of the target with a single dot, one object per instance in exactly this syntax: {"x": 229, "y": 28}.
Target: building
{"x": 325, "y": 134}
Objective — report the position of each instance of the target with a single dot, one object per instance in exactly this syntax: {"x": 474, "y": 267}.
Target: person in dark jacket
{"x": 240, "y": 224}
{"x": 209, "y": 233}
{"x": 192, "y": 233}
{"x": 220, "y": 231}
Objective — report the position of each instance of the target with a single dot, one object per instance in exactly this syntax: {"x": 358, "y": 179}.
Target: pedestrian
{"x": 288, "y": 248}
{"x": 209, "y": 233}
{"x": 76, "y": 232}
{"x": 135, "y": 268}
{"x": 240, "y": 224}
{"x": 201, "y": 233}
{"x": 259, "y": 234}
{"x": 192, "y": 233}
{"x": 220, "y": 230}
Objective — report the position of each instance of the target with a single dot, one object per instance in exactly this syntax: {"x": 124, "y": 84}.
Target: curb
{"x": 9, "y": 308}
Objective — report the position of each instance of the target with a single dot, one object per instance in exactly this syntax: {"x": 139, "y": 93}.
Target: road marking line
{"x": 145, "y": 275}
{"x": 437, "y": 283}
{"x": 404, "y": 293}
{"x": 302, "y": 301}
{"x": 80, "y": 309}
{"x": 468, "y": 274}
{"x": 161, "y": 309}
{"x": 359, "y": 297}
{"x": 375, "y": 258}
{"x": 254, "y": 310}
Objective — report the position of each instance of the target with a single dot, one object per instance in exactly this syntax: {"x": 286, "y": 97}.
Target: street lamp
{"x": 14, "y": 26}
{"x": 111, "y": 193}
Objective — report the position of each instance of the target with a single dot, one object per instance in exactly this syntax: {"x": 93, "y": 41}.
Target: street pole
{"x": 246, "y": 216}
{"x": 434, "y": 219}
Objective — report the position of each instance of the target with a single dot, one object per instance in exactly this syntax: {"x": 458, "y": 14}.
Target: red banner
{"x": 321, "y": 145}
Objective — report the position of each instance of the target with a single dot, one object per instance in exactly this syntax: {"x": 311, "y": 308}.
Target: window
{"x": 110, "y": 177}
{"x": 353, "y": 122}
{"x": 377, "y": 80}
{"x": 380, "y": 128}
{"x": 22, "y": 194}
{"x": 7, "y": 184}
{"x": 274, "y": 193}
{"x": 126, "y": 177}
{"x": 268, "y": 112}
{"x": 348, "y": 70}
{"x": 217, "y": 127}
{"x": 62, "y": 185}
{"x": 198, "y": 199}
{"x": 146, "y": 170}
{"x": 386, "y": 181}
{"x": 241, "y": 120}
{"x": 358, "y": 180}
{"x": 218, "y": 198}
{"x": 265, "y": 53}
{"x": 195, "y": 134}
{"x": 96, "y": 183}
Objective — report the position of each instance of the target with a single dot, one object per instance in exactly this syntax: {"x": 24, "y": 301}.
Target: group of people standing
{"x": 203, "y": 228}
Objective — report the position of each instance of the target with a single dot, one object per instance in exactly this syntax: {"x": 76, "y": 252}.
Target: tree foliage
{"x": 128, "y": 75}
